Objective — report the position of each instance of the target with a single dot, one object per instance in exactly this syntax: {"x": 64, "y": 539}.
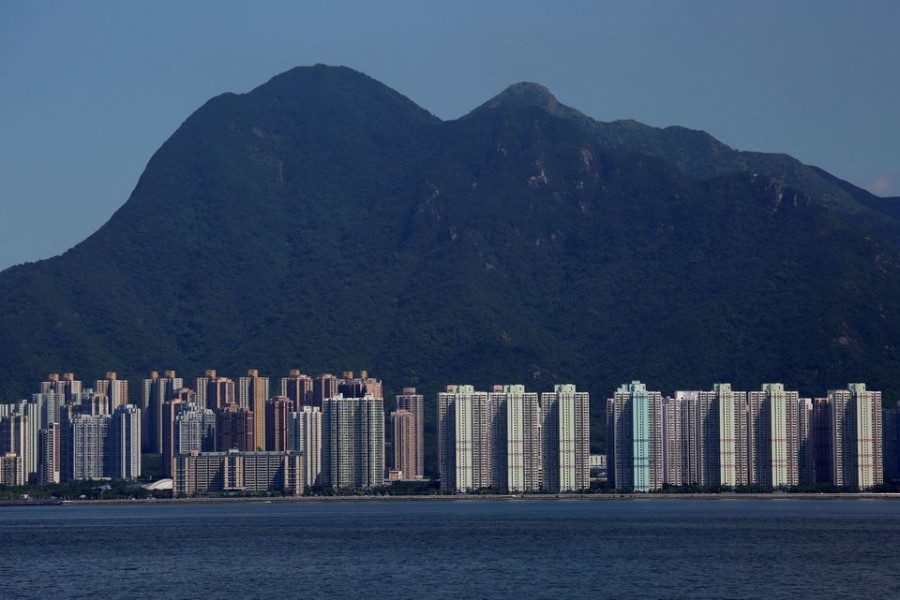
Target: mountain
{"x": 325, "y": 222}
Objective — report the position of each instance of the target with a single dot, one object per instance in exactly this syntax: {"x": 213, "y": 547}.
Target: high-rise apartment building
{"x": 50, "y": 455}
{"x": 49, "y": 406}
{"x": 517, "y": 438}
{"x": 565, "y": 439}
{"x": 299, "y": 388}
{"x": 635, "y": 425}
{"x": 234, "y": 429}
{"x": 412, "y": 454}
{"x": 85, "y": 403}
{"x": 403, "y": 434}
{"x": 84, "y": 447}
{"x": 806, "y": 457}
{"x": 510, "y": 439}
{"x": 253, "y": 392}
{"x": 488, "y": 437}
{"x": 219, "y": 392}
{"x": 84, "y": 444}
{"x": 823, "y": 452}
{"x": 277, "y": 410}
{"x": 155, "y": 390}
{"x": 201, "y": 390}
{"x": 172, "y": 440}
{"x": 353, "y": 442}
{"x": 692, "y": 411}
{"x": 46, "y": 408}
{"x": 194, "y": 430}
{"x": 458, "y": 410}
{"x": 36, "y": 414}
{"x": 672, "y": 441}
{"x": 856, "y": 437}
{"x": 324, "y": 386}
{"x": 124, "y": 443}
{"x": 16, "y": 438}
{"x": 720, "y": 437}
{"x": 10, "y": 471}
{"x": 773, "y": 428}
{"x": 113, "y": 388}
{"x": 690, "y": 438}
{"x": 305, "y": 436}
{"x": 729, "y": 443}
{"x": 358, "y": 387}
{"x": 68, "y": 386}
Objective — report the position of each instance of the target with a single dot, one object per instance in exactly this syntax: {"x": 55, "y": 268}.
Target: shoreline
{"x": 457, "y": 498}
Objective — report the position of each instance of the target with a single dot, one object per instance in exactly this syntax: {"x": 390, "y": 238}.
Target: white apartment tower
{"x": 353, "y": 442}
{"x": 49, "y": 470}
{"x": 730, "y": 409}
{"x": 565, "y": 439}
{"x": 125, "y": 442}
{"x": 773, "y": 428}
{"x": 84, "y": 449}
{"x": 305, "y": 435}
{"x": 856, "y": 437}
{"x": 673, "y": 472}
{"x": 518, "y": 445}
{"x": 16, "y": 438}
{"x": 489, "y": 439}
{"x": 456, "y": 438}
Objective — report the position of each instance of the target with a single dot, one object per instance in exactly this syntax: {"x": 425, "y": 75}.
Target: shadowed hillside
{"x": 325, "y": 222}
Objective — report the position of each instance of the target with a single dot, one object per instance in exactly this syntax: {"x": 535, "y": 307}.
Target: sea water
{"x": 648, "y": 548}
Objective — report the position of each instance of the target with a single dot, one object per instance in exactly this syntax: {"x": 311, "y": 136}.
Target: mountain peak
{"x": 527, "y": 94}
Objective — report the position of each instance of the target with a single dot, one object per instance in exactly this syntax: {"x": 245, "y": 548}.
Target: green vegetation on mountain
{"x": 325, "y": 222}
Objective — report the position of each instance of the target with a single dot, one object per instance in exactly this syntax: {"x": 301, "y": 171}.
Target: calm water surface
{"x": 463, "y": 549}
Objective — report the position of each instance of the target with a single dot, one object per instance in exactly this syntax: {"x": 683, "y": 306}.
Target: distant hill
{"x": 325, "y": 222}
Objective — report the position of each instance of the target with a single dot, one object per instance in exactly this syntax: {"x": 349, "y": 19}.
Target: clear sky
{"x": 89, "y": 89}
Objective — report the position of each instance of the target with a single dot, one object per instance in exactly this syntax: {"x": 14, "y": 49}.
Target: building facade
{"x": 84, "y": 449}
{"x": 155, "y": 390}
{"x": 456, "y": 454}
{"x": 198, "y": 474}
{"x": 403, "y": 436}
{"x": 253, "y": 392}
{"x": 353, "y": 442}
{"x": 565, "y": 439}
{"x": 124, "y": 443}
{"x": 234, "y": 429}
{"x": 634, "y": 422}
{"x": 299, "y": 388}
{"x": 277, "y": 410}
{"x": 518, "y": 438}
{"x": 305, "y": 436}
{"x": 856, "y": 437}
{"x": 50, "y": 454}
{"x": 413, "y": 466}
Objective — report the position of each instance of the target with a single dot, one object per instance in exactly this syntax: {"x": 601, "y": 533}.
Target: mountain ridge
{"x": 323, "y": 221}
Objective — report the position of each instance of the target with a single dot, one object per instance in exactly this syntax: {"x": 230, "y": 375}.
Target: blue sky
{"x": 89, "y": 90}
